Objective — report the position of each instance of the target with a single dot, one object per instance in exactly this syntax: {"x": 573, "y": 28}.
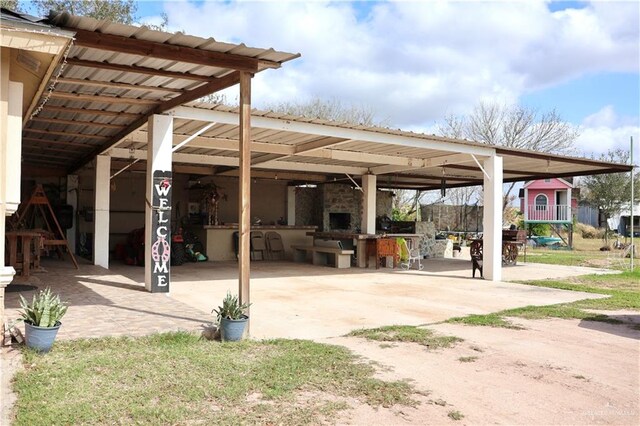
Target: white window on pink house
{"x": 541, "y": 202}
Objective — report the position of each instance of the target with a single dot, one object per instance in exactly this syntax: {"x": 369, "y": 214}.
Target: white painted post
{"x": 157, "y": 236}
{"x": 72, "y": 200}
{"x": 101, "y": 211}
{"x": 492, "y": 221}
{"x": 369, "y": 204}
{"x": 291, "y": 205}
{"x": 13, "y": 157}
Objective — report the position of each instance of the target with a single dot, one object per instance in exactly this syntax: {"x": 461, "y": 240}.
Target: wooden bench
{"x": 320, "y": 255}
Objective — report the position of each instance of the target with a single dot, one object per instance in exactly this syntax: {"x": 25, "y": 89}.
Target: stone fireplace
{"x": 339, "y": 221}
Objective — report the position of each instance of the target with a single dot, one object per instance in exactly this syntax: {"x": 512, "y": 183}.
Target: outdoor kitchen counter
{"x": 361, "y": 241}
{"x": 219, "y": 239}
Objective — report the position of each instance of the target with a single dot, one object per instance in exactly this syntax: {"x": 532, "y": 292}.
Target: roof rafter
{"x": 117, "y": 85}
{"x": 213, "y": 86}
{"x": 90, "y": 111}
{"x": 146, "y": 48}
{"x": 137, "y": 69}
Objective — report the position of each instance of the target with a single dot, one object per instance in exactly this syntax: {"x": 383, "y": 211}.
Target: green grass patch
{"x": 407, "y": 333}
{"x": 622, "y": 289}
{"x": 488, "y": 320}
{"x": 468, "y": 359}
{"x": 176, "y": 378}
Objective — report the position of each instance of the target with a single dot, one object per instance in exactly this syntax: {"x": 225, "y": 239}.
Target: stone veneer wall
{"x": 309, "y": 207}
{"x": 342, "y": 198}
{"x": 429, "y": 246}
{"x": 313, "y": 205}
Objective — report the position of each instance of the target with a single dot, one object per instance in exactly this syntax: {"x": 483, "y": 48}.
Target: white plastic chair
{"x": 414, "y": 257}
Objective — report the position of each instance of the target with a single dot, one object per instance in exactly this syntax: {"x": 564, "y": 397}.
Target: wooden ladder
{"x": 37, "y": 202}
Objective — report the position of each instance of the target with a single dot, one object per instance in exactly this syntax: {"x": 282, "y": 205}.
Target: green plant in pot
{"x": 231, "y": 318}
{"x": 42, "y": 319}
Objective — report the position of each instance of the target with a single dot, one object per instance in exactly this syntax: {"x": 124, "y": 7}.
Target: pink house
{"x": 550, "y": 200}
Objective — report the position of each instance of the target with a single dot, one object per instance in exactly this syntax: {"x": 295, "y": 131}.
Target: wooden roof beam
{"x": 102, "y": 99}
{"x": 117, "y": 85}
{"x": 57, "y": 142}
{"x": 77, "y": 122}
{"x": 71, "y": 135}
{"x": 48, "y": 108}
{"x": 146, "y": 48}
{"x": 136, "y": 69}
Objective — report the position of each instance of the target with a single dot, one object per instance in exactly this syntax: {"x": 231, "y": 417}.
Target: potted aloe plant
{"x": 231, "y": 318}
{"x": 42, "y": 319}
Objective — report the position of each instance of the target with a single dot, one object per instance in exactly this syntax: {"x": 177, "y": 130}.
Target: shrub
{"x": 588, "y": 231}
{"x": 540, "y": 229}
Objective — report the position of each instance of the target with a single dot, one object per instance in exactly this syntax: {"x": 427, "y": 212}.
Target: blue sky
{"x": 416, "y": 62}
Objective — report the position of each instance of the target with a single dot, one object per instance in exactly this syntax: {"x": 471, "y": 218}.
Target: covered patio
{"x": 291, "y": 300}
{"x": 124, "y": 100}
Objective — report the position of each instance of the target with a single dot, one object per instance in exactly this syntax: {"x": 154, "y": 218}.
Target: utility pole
{"x": 633, "y": 247}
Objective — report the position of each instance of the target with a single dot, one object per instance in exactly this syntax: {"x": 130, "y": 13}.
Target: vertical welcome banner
{"x": 161, "y": 232}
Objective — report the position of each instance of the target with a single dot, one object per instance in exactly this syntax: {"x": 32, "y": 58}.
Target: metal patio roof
{"x": 316, "y": 150}
{"x": 116, "y": 75}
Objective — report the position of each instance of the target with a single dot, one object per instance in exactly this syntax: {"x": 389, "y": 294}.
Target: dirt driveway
{"x": 553, "y": 372}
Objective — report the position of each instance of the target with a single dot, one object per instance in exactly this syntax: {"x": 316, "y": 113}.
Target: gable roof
{"x": 565, "y": 181}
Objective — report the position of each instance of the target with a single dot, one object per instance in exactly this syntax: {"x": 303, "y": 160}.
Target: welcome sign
{"x": 161, "y": 232}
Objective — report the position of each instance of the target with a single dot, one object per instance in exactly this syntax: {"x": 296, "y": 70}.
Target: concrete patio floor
{"x": 289, "y": 300}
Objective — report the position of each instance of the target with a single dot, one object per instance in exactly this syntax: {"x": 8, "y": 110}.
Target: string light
{"x": 53, "y": 84}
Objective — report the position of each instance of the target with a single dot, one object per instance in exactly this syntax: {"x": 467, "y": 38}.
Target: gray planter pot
{"x": 40, "y": 338}
{"x": 232, "y": 330}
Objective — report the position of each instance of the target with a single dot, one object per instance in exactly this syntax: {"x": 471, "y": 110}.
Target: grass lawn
{"x": 623, "y": 290}
{"x": 407, "y": 333}
{"x": 586, "y": 252}
{"x": 176, "y": 378}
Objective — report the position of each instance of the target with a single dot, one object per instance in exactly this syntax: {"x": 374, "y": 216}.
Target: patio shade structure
{"x": 112, "y": 80}
{"x": 129, "y": 94}
{"x": 307, "y": 150}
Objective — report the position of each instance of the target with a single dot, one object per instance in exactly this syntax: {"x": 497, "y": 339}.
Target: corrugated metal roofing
{"x": 273, "y": 149}
{"x": 90, "y": 88}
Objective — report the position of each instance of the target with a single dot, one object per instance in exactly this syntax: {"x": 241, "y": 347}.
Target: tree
{"x": 122, "y": 11}
{"x": 11, "y": 5}
{"x": 610, "y": 192}
{"x": 332, "y": 109}
{"x": 514, "y": 127}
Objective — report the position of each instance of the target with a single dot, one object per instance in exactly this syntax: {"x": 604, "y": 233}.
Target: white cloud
{"x": 414, "y": 62}
{"x": 605, "y": 130}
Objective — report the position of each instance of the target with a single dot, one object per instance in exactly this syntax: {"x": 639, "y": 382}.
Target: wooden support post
{"x": 244, "y": 190}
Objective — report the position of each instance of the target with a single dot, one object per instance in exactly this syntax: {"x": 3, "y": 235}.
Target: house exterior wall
{"x": 549, "y": 189}
{"x": 549, "y": 193}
